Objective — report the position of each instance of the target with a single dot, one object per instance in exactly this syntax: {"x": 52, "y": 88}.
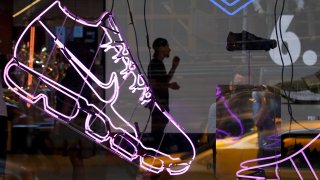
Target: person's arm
{"x": 157, "y": 85}
{"x": 263, "y": 111}
{"x": 175, "y": 63}
{"x": 300, "y": 5}
{"x": 257, "y": 6}
{"x": 154, "y": 80}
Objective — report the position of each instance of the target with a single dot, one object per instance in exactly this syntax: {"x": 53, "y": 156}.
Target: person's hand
{"x": 174, "y": 85}
{"x": 175, "y": 62}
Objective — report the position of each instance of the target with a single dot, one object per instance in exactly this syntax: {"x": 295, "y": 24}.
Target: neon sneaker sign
{"x": 242, "y": 173}
{"x": 231, "y": 7}
{"x": 124, "y": 144}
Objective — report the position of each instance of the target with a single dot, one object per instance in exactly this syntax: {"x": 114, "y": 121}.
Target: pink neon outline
{"x": 97, "y": 137}
{"x": 139, "y": 83}
{"x": 123, "y": 152}
{"x": 276, "y": 163}
{"x": 274, "y": 142}
{"x": 309, "y": 164}
{"x": 151, "y": 168}
{"x": 277, "y": 171}
{"x": 242, "y": 165}
{"x": 225, "y": 104}
{"x": 296, "y": 168}
{"x": 222, "y": 131}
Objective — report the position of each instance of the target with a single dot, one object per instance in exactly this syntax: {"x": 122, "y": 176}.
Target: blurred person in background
{"x": 3, "y": 122}
{"x": 160, "y": 82}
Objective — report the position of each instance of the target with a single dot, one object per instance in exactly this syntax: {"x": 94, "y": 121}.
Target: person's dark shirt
{"x": 72, "y": 80}
{"x": 157, "y": 72}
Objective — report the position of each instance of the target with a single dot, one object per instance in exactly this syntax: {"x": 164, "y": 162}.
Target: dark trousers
{"x": 158, "y": 124}
{"x": 3, "y": 143}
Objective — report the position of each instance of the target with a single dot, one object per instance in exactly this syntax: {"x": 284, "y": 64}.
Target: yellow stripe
{"x": 25, "y": 8}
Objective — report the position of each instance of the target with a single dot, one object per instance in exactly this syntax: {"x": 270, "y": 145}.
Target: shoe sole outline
{"x": 140, "y": 81}
{"x": 88, "y": 132}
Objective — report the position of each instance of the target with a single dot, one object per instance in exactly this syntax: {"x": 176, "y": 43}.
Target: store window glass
{"x": 232, "y": 70}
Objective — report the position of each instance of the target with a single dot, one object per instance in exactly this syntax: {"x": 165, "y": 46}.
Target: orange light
{"x": 31, "y": 55}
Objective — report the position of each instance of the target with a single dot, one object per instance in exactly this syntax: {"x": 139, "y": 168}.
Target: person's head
{"x": 161, "y": 47}
{"x": 240, "y": 76}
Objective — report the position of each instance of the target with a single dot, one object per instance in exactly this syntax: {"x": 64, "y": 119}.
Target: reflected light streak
{"x": 25, "y": 8}
{"x": 225, "y": 103}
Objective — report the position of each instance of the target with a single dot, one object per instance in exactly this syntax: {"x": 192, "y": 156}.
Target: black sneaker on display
{"x": 304, "y": 91}
{"x": 248, "y": 41}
